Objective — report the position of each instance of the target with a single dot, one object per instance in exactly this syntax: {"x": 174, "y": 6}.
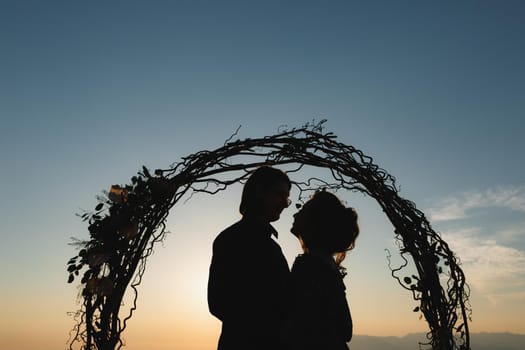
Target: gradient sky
{"x": 92, "y": 90}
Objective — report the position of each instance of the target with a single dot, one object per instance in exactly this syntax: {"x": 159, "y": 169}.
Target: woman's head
{"x": 324, "y": 224}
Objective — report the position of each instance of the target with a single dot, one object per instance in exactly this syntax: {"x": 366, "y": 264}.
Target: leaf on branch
{"x": 146, "y": 171}
{"x": 86, "y": 276}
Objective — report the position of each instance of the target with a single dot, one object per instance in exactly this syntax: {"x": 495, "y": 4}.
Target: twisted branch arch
{"x": 131, "y": 219}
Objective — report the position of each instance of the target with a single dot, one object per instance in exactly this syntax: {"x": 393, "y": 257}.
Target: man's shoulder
{"x": 229, "y": 235}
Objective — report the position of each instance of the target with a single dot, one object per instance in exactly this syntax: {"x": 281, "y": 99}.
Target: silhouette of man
{"x": 247, "y": 286}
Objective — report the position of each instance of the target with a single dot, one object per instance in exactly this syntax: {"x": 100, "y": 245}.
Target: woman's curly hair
{"x": 332, "y": 227}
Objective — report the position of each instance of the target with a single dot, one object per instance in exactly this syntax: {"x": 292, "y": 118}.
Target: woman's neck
{"x": 319, "y": 253}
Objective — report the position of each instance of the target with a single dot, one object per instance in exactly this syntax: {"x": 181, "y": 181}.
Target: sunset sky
{"x": 92, "y": 90}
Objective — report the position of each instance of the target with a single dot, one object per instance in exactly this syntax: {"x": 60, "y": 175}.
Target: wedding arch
{"x": 130, "y": 219}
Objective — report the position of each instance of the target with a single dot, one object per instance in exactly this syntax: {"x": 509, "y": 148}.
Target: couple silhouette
{"x": 261, "y": 303}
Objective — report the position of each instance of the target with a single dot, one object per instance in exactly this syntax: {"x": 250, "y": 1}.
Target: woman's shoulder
{"x": 316, "y": 266}
{"x": 306, "y": 262}
{"x": 315, "y": 261}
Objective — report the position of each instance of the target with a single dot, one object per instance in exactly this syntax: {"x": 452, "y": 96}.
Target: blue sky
{"x": 91, "y": 91}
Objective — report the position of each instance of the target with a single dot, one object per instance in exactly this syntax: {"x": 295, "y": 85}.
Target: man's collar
{"x": 261, "y": 225}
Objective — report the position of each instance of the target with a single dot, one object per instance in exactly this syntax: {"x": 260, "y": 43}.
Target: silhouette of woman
{"x": 319, "y": 317}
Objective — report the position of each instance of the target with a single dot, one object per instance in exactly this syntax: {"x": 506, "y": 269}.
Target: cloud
{"x": 491, "y": 252}
{"x": 457, "y": 207}
{"x": 512, "y": 234}
{"x": 493, "y": 269}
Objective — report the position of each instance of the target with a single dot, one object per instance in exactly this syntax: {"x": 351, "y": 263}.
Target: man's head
{"x": 265, "y": 194}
